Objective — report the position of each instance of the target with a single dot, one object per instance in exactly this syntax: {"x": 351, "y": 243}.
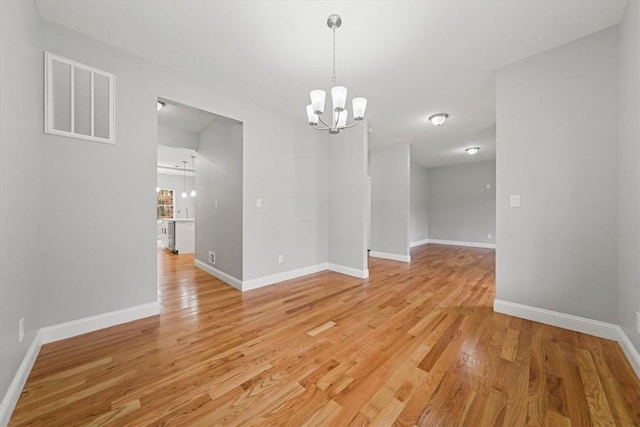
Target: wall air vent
{"x": 79, "y": 100}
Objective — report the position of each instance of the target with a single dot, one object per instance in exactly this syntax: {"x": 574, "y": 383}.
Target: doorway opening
{"x": 199, "y": 189}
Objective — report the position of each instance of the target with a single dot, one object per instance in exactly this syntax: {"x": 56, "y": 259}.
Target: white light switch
{"x": 258, "y": 203}
{"x": 488, "y": 186}
{"x": 515, "y": 200}
{"x": 216, "y": 204}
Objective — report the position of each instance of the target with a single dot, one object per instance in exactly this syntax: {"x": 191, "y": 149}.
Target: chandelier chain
{"x": 333, "y": 78}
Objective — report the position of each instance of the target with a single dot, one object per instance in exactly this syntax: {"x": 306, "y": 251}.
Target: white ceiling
{"x": 409, "y": 58}
{"x": 170, "y": 160}
{"x": 189, "y": 119}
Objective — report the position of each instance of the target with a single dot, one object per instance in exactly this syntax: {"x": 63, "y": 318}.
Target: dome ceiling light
{"x": 438, "y": 119}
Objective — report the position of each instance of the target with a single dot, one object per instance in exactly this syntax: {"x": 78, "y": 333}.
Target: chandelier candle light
{"x": 338, "y": 96}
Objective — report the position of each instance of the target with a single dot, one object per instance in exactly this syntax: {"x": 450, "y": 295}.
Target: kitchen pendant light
{"x": 184, "y": 179}
{"x": 338, "y": 120}
{"x": 193, "y": 167}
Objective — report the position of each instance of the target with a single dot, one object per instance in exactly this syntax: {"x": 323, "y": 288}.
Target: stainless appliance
{"x": 171, "y": 236}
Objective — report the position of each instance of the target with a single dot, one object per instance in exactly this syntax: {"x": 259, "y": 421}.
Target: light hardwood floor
{"x": 416, "y": 344}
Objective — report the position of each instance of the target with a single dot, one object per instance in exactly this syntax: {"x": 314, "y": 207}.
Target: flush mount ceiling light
{"x": 438, "y": 119}
{"x": 159, "y": 105}
{"x": 472, "y": 150}
{"x": 338, "y": 120}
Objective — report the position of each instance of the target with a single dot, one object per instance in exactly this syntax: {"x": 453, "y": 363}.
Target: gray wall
{"x": 21, "y": 124}
{"x": 418, "y": 206}
{"x": 390, "y": 184}
{"x": 285, "y": 165}
{"x": 219, "y": 177}
{"x": 172, "y": 137}
{"x": 556, "y": 144}
{"x": 176, "y": 183}
{"x": 629, "y": 172}
{"x": 460, "y": 206}
{"x": 348, "y": 198}
{"x": 126, "y": 172}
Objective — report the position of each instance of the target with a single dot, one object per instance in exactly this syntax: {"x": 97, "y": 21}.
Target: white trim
{"x": 458, "y": 243}
{"x": 349, "y": 271}
{"x": 561, "y": 320}
{"x": 419, "y": 243}
{"x": 12, "y": 395}
{"x": 584, "y": 325}
{"x": 393, "y": 257}
{"x": 629, "y": 350}
{"x": 100, "y": 321}
{"x": 227, "y": 278}
{"x": 48, "y": 98}
{"x": 259, "y": 282}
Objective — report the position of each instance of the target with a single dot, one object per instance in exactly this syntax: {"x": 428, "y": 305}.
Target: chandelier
{"x": 315, "y": 110}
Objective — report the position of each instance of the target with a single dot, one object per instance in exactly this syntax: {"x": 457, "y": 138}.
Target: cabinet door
{"x": 185, "y": 237}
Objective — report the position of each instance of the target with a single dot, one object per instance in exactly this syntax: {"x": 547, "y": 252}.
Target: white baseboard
{"x": 100, "y": 321}
{"x": 575, "y": 323}
{"x": 418, "y": 243}
{"x": 458, "y": 243}
{"x": 629, "y": 350}
{"x": 247, "y": 285}
{"x": 227, "y": 278}
{"x": 393, "y": 257}
{"x": 12, "y": 395}
{"x": 349, "y": 271}
{"x": 561, "y": 320}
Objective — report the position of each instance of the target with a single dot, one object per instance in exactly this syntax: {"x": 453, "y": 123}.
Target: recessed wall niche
{"x": 79, "y": 100}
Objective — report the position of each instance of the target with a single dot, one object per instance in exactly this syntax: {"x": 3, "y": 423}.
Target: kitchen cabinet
{"x": 185, "y": 235}
{"x": 178, "y": 234}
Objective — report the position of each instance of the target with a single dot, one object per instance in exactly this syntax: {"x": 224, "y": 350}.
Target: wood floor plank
{"x": 414, "y": 344}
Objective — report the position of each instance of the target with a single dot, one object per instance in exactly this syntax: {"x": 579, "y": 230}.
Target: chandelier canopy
{"x": 338, "y": 120}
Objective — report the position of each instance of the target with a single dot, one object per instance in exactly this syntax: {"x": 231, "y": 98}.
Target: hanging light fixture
{"x": 184, "y": 179}
{"x": 339, "y": 114}
{"x": 193, "y": 167}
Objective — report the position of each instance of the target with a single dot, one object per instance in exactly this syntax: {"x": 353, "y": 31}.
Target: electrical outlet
{"x": 21, "y": 330}
{"x": 212, "y": 257}
{"x": 215, "y": 204}
{"x": 637, "y": 322}
{"x": 514, "y": 200}
{"x": 280, "y": 258}
{"x": 258, "y": 203}
{"x": 419, "y": 233}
